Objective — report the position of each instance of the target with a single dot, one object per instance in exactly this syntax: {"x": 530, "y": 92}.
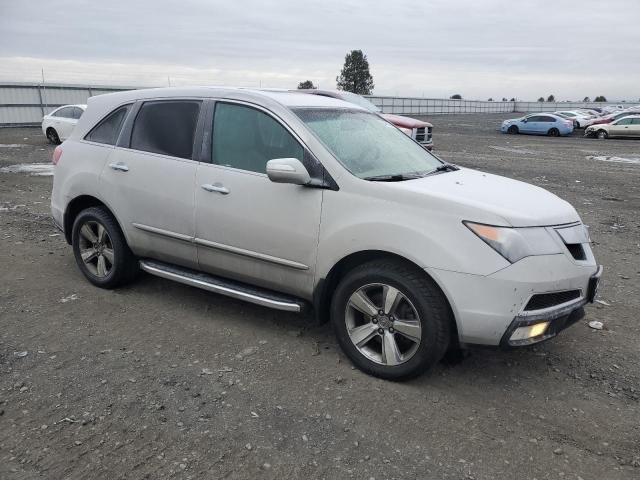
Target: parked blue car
{"x": 539, "y": 124}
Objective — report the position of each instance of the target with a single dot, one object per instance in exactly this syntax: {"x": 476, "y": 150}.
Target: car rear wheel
{"x": 100, "y": 249}
{"x": 602, "y": 135}
{"x": 513, "y": 129}
{"x": 390, "y": 319}
{"x": 553, "y": 132}
{"x": 52, "y": 136}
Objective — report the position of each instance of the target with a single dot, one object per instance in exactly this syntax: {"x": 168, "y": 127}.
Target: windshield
{"x": 358, "y": 100}
{"x": 367, "y": 145}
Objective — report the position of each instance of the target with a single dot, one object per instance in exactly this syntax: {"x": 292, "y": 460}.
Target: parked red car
{"x": 609, "y": 118}
{"x": 421, "y": 132}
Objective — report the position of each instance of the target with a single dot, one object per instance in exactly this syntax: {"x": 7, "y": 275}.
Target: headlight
{"x": 516, "y": 243}
{"x": 407, "y": 131}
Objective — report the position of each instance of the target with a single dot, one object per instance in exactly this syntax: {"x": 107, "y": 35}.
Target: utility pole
{"x": 44, "y": 92}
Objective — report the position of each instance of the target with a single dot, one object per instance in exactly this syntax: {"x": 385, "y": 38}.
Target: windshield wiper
{"x": 398, "y": 177}
{"x": 445, "y": 167}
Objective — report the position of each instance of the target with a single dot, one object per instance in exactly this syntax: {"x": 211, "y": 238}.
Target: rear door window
{"x": 167, "y": 127}
{"x": 247, "y": 138}
{"x": 107, "y": 130}
{"x": 66, "y": 112}
{"x": 77, "y": 113}
{"x": 547, "y": 119}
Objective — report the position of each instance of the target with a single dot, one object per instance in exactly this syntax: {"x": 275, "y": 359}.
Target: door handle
{"x": 216, "y": 187}
{"x": 119, "y": 166}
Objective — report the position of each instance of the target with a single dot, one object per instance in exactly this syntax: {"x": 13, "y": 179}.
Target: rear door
{"x": 547, "y": 123}
{"x": 635, "y": 127}
{"x": 148, "y": 180}
{"x": 64, "y": 121}
{"x": 247, "y": 227}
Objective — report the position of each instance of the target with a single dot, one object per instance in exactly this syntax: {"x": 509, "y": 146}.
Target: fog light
{"x": 523, "y": 333}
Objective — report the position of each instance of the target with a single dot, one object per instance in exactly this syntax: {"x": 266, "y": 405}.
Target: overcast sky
{"x": 433, "y": 48}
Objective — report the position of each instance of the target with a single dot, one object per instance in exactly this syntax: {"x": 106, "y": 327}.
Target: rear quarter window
{"x": 108, "y": 129}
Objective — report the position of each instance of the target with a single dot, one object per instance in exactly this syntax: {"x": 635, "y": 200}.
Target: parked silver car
{"x": 289, "y": 201}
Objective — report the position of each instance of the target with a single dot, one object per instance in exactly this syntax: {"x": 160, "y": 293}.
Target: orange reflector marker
{"x": 485, "y": 231}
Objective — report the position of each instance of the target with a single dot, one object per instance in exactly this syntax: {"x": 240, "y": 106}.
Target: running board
{"x": 223, "y": 286}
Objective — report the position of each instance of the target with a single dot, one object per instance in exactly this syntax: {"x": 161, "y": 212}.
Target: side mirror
{"x": 524, "y": 120}
{"x": 287, "y": 170}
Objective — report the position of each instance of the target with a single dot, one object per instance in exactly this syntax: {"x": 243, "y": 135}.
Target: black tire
{"x": 123, "y": 264}
{"x": 553, "y": 132}
{"x": 52, "y": 136}
{"x": 602, "y": 134}
{"x": 424, "y": 296}
{"x": 513, "y": 130}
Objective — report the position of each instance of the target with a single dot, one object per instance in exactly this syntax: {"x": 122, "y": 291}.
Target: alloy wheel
{"x": 96, "y": 249}
{"x": 383, "y": 324}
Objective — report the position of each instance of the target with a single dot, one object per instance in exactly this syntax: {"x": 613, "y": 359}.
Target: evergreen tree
{"x": 355, "y": 76}
{"x": 306, "y": 85}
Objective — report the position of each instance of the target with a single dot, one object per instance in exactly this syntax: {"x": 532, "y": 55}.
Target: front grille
{"x": 546, "y": 300}
{"x": 576, "y": 250}
{"x": 421, "y": 135}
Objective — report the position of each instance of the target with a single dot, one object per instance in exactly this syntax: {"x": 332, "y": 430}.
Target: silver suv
{"x": 293, "y": 201}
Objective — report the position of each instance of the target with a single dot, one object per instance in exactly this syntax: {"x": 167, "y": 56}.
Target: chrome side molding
{"x": 225, "y": 287}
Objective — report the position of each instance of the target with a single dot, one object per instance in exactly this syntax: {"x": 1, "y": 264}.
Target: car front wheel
{"x": 602, "y": 135}
{"x": 390, "y": 319}
{"x": 512, "y": 130}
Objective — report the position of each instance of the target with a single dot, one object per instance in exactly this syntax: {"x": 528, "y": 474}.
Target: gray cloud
{"x": 478, "y": 48}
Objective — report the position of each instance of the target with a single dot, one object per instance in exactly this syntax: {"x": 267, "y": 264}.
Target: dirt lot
{"x": 161, "y": 380}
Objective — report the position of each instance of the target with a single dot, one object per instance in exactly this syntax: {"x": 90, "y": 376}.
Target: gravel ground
{"x": 161, "y": 380}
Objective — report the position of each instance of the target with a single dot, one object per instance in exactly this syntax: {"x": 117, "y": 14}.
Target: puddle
{"x": 606, "y": 158}
{"x": 12, "y": 145}
{"x": 40, "y": 169}
{"x": 522, "y": 151}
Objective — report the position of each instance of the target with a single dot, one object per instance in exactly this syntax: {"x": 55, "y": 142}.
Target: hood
{"x": 511, "y": 202}
{"x": 510, "y": 120}
{"x": 404, "y": 122}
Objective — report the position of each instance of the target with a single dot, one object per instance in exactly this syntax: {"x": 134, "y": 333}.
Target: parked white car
{"x": 580, "y": 119}
{"x": 292, "y": 201}
{"x": 58, "y": 125}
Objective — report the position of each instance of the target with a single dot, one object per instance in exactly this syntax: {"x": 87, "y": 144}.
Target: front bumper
{"x": 490, "y": 308}
{"x": 557, "y": 317}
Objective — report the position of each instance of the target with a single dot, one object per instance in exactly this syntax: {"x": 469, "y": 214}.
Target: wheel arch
{"x": 77, "y": 205}
{"x": 326, "y": 286}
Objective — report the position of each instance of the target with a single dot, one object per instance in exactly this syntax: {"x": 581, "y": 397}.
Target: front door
{"x": 621, "y": 128}
{"x": 149, "y": 182}
{"x": 247, "y": 227}
{"x": 530, "y": 125}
